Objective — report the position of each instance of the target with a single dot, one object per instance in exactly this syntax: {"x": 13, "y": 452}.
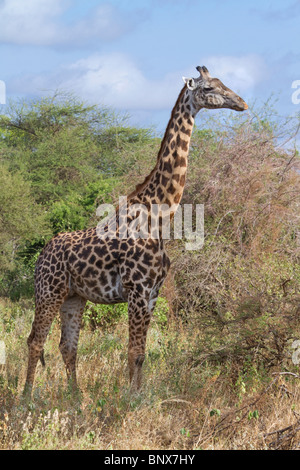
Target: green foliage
{"x": 124, "y": 149}
{"x": 60, "y": 160}
{"x": 253, "y": 415}
{"x": 161, "y": 312}
{"x": 99, "y": 316}
{"x": 103, "y": 315}
{"x": 21, "y": 219}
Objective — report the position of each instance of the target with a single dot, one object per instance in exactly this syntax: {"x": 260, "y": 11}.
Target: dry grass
{"x": 181, "y": 406}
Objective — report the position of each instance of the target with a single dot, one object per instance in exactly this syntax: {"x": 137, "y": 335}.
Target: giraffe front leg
{"x": 139, "y": 316}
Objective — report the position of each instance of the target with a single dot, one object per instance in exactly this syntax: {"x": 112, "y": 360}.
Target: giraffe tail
{"x": 29, "y": 341}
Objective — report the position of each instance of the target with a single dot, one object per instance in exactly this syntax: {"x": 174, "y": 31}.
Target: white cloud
{"x": 116, "y": 80}
{"x": 283, "y": 13}
{"x": 239, "y": 73}
{"x": 40, "y": 22}
{"x": 108, "y": 79}
{"x": 104, "y": 22}
{"x": 30, "y": 22}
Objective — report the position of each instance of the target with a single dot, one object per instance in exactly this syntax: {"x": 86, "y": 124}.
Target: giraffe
{"x": 78, "y": 266}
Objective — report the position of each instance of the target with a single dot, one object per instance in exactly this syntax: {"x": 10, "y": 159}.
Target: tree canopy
{"x": 60, "y": 159}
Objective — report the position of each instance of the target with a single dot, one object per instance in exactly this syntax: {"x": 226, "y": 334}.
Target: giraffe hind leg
{"x": 44, "y": 316}
{"x": 71, "y": 316}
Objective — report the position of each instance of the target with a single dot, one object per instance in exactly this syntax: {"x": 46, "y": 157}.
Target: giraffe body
{"x": 80, "y": 266}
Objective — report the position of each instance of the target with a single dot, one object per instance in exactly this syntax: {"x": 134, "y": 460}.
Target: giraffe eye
{"x": 209, "y": 88}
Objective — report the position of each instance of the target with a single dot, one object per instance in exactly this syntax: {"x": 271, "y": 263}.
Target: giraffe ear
{"x": 190, "y": 83}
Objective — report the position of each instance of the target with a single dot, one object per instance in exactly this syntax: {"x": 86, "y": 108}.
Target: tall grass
{"x": 182, "y": 404}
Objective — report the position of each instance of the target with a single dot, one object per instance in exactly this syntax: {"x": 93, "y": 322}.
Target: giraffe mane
{"x": 142, "y": 185}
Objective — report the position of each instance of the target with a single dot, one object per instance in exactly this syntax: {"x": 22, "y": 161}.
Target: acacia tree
{"x": 66, "y": 149}
{"x": 66, "y": 158}
{"x": 21, "y": 218}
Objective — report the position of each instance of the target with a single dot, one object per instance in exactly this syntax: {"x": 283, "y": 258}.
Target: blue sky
{"x": 132, "y": 54}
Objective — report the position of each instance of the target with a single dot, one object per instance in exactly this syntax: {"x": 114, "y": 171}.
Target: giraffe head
{"x": 208, "y": 92}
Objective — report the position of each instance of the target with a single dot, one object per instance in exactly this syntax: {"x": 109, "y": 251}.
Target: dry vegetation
{"x": 219, "y": 372}
{"x": 182, "y": 405}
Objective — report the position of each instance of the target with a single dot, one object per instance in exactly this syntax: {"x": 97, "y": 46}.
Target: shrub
{"x": 242, "y": 289}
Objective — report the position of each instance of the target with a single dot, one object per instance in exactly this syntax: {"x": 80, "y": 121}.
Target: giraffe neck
{"x": 165, "y": 184}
